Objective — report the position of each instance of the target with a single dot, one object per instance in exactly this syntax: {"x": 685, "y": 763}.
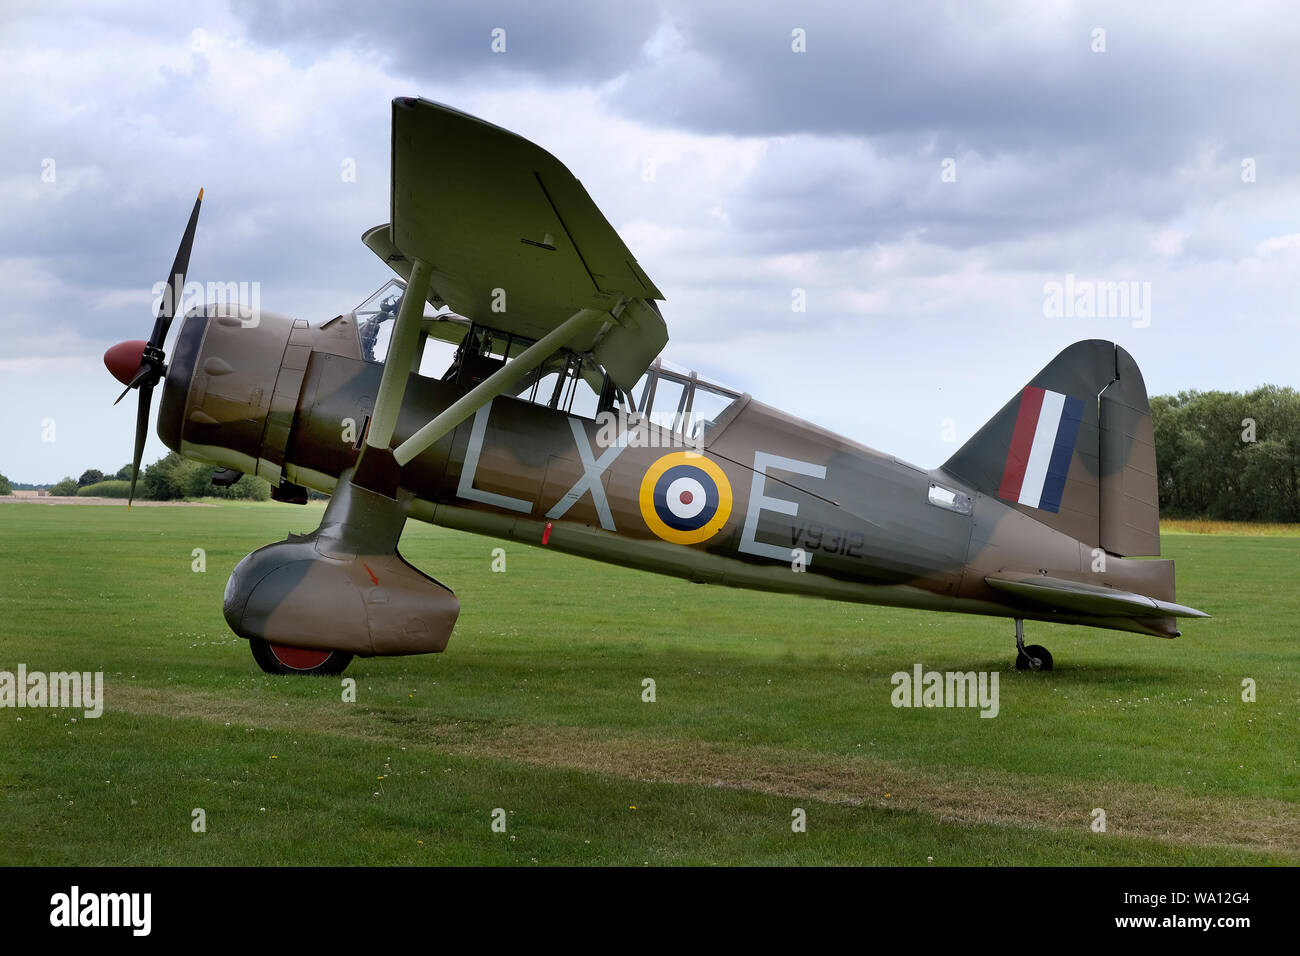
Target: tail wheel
{"x": 278, "y": 659}
{"x": 1035, "y": 657}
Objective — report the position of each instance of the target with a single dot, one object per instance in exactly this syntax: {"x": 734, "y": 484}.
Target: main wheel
{"x": 1025, "y": 662}
{"x": 278, "y": 659}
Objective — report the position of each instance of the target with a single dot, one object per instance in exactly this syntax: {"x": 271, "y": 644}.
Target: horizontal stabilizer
{"x": 1091, "y": 599}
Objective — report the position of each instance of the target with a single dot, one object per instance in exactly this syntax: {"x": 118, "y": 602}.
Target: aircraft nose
{"x": 124, "y": 359}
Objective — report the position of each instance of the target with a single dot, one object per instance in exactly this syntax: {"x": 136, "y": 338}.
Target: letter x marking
{"x": 592, "y": 468}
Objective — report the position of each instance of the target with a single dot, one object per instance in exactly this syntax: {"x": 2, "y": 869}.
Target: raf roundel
{"x": 685, "y": 498}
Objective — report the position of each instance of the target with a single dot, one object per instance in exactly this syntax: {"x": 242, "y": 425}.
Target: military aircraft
{"x": 556, "y": 424}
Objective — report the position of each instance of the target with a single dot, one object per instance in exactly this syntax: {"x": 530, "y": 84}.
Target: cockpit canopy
{"x": 458, "y": 350}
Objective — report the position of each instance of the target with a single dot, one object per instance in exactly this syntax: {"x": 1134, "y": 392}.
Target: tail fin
{"x": 1075, "y": 450}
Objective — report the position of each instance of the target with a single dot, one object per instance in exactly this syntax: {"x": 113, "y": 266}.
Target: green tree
{"x": 5, "y": 487}
{"x": 66, "y": 488}
{"x": 252, "y": 488}
{"x": 161, "y": 481}
{"x": 1229, "y": 455}
{"x": 89, "y": 477}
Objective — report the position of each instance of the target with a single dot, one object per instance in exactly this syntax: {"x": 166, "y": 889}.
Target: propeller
{"x": 141, "y": 365}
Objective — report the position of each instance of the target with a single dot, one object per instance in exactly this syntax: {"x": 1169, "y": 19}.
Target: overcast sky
{"x": 923, "y": 172}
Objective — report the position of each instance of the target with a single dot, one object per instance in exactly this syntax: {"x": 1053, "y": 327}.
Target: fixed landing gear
{"x": 1035, "y": 657}
{"x": 278, "y": 659}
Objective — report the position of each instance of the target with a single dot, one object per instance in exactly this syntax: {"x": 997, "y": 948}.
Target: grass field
{"x": 765, "y": 704}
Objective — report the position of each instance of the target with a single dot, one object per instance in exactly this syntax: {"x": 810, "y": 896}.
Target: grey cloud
{"x": 1016, "y": 86}
{"x": 586, "y": 41}
{"x": 988, "y": 75}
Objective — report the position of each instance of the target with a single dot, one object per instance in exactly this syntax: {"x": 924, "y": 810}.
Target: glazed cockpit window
{"x": 707, "y": 406}
{"x": 677, "y": 401}
{"x": 947, "y": 498}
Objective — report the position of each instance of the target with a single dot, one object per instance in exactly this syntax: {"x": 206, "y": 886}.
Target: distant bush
{"x": 106, "y": 489}
{"x": 250, "y": 488}
{"x": 173, "y": 477}
{"x": 65, "y": 488}
{"x": 5, "y": 488}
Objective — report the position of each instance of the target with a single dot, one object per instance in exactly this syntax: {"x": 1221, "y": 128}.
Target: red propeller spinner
{"x": 124, "y": 359}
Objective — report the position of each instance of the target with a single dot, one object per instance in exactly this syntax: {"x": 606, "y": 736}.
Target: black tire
{"x": 333, "y": 662}
{"x": 1023, "y": 662}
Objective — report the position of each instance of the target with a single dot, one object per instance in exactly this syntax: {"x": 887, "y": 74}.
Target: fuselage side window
{"x": 947, "y": 498}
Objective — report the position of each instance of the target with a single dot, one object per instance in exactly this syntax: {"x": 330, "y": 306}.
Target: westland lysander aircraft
{"x": 556, "y": 424}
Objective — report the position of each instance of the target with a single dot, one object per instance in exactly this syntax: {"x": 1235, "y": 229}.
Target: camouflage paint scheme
{"x": 863, "y": 519}
{"x": 791, "y": 507}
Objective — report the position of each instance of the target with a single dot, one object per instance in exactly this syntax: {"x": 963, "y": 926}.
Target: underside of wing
{"x": 513, "y": 239}
{"x": 1091, "y": 599}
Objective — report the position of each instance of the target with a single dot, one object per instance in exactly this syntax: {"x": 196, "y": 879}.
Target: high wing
{"x": 512, "y": 239}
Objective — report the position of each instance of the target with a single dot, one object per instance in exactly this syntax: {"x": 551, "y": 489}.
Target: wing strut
{"x": 403, "y": 353}
{"x": 582, "y": 321}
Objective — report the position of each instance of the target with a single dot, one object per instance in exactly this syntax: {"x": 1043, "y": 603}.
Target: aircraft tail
{"x": 1075, "y": 450}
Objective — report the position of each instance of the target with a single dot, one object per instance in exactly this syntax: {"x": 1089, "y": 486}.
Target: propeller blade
{"x": 141, "y": 432}
{"x": 151, "y": 366}
{"x": 143, "y": 372}
{"x": 175, "y": 280}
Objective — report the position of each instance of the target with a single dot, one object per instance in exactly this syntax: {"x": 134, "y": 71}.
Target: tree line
{"x": 170, "y": 478}
{"x": 1229, "y": 456}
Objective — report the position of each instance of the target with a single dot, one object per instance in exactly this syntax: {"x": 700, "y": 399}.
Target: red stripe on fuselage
{"x": 1022, "y": 442}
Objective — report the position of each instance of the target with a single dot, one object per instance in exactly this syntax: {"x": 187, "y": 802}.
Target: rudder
{"x": 1075, "y": 450}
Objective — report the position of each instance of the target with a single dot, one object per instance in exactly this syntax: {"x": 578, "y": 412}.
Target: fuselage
{"x": 751, "y": 498}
